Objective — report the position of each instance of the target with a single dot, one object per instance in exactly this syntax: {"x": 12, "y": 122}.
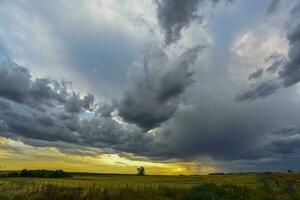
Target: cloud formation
{"x": 273, "y": 6}
{"x": 277, "y": 61}
{"x": 179, "y": 104}
{"x": 153, "y": 97}
{"x": 259, "y": 90}
{"x": 289, "y": 70}
{"x": 290, "y": 73}
{"x": 175, "y": 15}
{"x": 52, "y": 118}
{"x": 256, "y": 75}
{"x": 40, "y": 109}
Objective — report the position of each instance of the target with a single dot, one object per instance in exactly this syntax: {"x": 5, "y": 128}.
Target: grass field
{"x": 89, "y": 187}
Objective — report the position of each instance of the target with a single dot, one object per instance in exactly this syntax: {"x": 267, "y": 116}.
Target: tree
{"x": 24, "y": 173}
{"x": 140, "y": 171}
{"x": 43, "y": 173}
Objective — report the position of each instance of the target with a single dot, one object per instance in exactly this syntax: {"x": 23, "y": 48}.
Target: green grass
{"x": 83, "y": 187}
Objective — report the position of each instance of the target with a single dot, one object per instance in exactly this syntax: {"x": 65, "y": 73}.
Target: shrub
{"x": 211, "y": 191}
{"x": 39, "y": 174}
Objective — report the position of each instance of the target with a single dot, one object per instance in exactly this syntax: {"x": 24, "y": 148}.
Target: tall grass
{"x": 225, "y": 187}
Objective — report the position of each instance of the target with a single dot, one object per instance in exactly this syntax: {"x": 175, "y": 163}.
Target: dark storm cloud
{"x": 74, "y": 104}
{"x": 273, "y": 6}
{"x": 288, "y": 131}
{"x": 175, "y": 15}
{"x": 287, "y": 145}
{"x": 152, "y": 99}
{"x": 289, "y": 70}
{"x": 188, "y": 122}
{"x": 52, "y": 118}
{"x": 227, "y": 132}
{"x": 256, "y": 75}
{"x": 290, "y": 73}
{"x": 88, "y": 102}
{"x": 260, "y": 90}
{"x": 286, "y": 140}
{"x": 274, "y": 56}
{"x": 14, "y": 82}
{"x": 277, "y": 63}
{"x": 17, "y": 85}
{"x": 223, "y": 134}
{"x": 40, "y": 109}
{"x": 88, "y": 44}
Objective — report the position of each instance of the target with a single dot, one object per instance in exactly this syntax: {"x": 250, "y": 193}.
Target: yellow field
{"x": 150, "y": 187}
{"x": 132, "y": 181}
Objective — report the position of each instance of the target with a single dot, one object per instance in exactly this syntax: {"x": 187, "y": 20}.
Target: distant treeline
{"x": 267, "y": 172}
{"x": 98, "y": 174}
{"x": 218, "y": 173}
{"x": 38, "y": 174}
{"x": 230, "y": 173}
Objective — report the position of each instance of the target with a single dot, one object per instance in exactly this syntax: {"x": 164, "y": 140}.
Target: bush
{"x": 39, "y": 174}
{"x": 211, "y": 191}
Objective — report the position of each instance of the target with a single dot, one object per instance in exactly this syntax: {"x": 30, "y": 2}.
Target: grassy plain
{"x": 264, "y": 186}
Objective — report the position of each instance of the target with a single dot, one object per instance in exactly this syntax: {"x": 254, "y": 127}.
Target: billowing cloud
{"x": 153, "y": 97}
{"x": 260, "y": 90}
{"x": 286, "y": 140}
{"x": 81, "y": 50}
{"x": 88, "y": 102}
{"x": 52, "y": 118}
{"x": 273, "y": 6}
{"x": 175, "y": 15}
{"x": 277, "y": 61}
{"x": 289, "y": 69}
{"x": 223, "y": 132}
{"x": 178, "y": 104}
{"x": 40, "y": 109}
{"x": 256, "y": 75}
{"x": 290, "y": 73}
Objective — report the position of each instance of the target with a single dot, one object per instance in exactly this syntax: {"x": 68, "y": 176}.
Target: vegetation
{"x": 250, "y": 186}
{"x": 140, "y": 171}
{"x": 38, "y": 174}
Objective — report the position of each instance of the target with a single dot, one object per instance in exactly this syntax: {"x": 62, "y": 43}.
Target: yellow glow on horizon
{"x": 15, "y": 155}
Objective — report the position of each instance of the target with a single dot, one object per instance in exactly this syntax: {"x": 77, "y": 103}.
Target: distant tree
{"x": 218, "y": 173}
{"x": 140, "y": 171}
{"x": 289, "y": 171}
{"x": 43, "y": 173}
{"x": 24, "y": 173}
{"x": 12, "y": 174}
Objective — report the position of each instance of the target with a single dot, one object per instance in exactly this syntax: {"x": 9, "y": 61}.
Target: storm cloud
{"x": 52, "y": 117}
{"x": 153, "y": 97}
{"x": 273, "y": 6}
{"x": 255, "y": 75}
{"x": 180, "y": 101}
{"x": 175, "y": 15}
{"x": 277, "y": 61}
{"x": 290, "y": 73}
{"x": 288, "y": 70}
{"x": 260, "y": 90}
{"x": 40, "y": 109}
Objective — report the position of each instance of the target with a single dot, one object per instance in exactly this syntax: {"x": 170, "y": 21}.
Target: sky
{"x": 179, "y": 87}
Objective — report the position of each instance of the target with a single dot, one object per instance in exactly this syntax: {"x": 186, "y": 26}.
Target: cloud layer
{"x": 153, "y": 97}
{"x": 40, "y": 109}
{"x": 175, "y": 15}
{"x": 288, "y": 73}
{"x": 179, "y": 103}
